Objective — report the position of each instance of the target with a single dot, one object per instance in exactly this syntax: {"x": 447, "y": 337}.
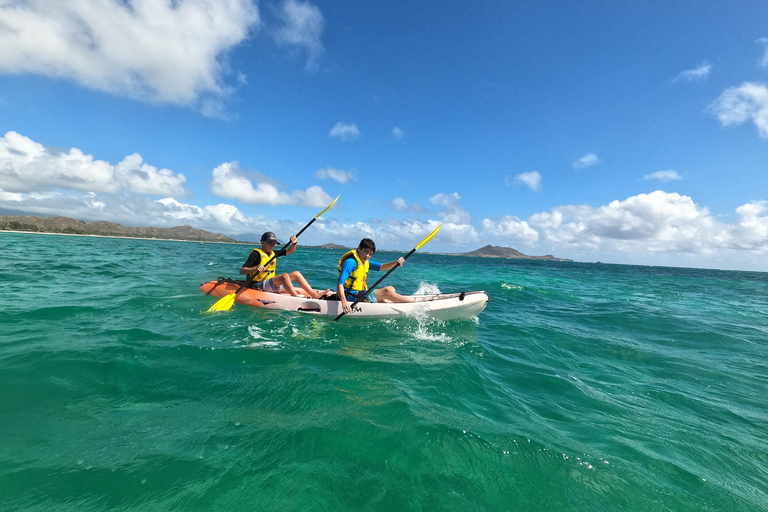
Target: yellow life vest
{"x": 356, "y": 280}
{"x": 269, "y": 272}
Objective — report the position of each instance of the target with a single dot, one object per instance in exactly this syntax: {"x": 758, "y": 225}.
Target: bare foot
{"x": 322, "y": 294}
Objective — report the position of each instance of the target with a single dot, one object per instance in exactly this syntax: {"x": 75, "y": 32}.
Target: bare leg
{"x": 285, "y": 281}
{"x": 299, "y": 278}
{"x": 388, "y": 294}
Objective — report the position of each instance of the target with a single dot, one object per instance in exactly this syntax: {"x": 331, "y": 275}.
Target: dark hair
{"x": 367, "y": 243}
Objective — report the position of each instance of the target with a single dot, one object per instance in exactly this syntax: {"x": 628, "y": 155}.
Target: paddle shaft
{"x": 372, "y": 288}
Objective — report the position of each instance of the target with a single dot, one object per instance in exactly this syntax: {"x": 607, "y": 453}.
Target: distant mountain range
{"x": 69, "y": 226}
{"x": 66, "y": 225}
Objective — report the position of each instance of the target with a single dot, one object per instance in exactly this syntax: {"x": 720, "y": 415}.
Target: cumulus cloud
{"x": 343, "y": 131}
{"x": 336, "y": 175}
{"x": 395, "y": 234}
{"x": 698, "y": 74}
{"x": 655, "y": 227}
{"x": 138, "y": 210}
{"x": 531, "y": 179}
{"x": 219, "y": 217}
{"x": 668, "y": 175}
{"x": 511, "y": 228}
{"x": 401, "y": 205}
{"x": 586, "y": 161}
{"x": 397, "y": 133}
{"x": 230, "y": 181}
{"x": 747, "y": 102}
{"x": 302, "y": 26}
{"x": 751, "y": 229}
{"x": 452, "y": 211}
{"x": 28, "y": 166}
{"x": 658, "y": 221}
{"x": 151, "y": 50}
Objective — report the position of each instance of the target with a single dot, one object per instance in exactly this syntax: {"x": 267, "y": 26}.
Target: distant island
{"x": 69, "y": 226}
{"x": 494, "y": 251}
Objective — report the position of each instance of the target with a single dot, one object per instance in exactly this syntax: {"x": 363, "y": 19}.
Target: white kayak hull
{"x": 450, "y": 306}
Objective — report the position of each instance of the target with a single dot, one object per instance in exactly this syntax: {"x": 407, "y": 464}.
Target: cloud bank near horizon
{"x": 42, "y": 181}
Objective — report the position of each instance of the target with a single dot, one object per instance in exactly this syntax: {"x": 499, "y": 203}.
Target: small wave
{"x": 263, "y": 344}
{"x": 423, "y": 334}
{"x": 210, "y": 263}
{"x": 508, "y": 286}
{"x": 255, "y": 332}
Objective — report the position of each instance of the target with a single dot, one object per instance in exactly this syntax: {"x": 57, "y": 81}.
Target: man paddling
{"x": 264, "y": 277}
{"x": 353, "y": 270}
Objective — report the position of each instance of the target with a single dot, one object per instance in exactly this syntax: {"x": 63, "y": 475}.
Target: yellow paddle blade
{"x": 423, "y": 242}
{"x": 327, "y": 207}
{"x": 223, "y": 304}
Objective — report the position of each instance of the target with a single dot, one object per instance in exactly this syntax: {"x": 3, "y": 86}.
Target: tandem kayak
{"x": 450, "y": 306}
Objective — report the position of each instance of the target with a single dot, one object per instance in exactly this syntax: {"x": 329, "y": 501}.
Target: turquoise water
{"x": 580, "y": 387}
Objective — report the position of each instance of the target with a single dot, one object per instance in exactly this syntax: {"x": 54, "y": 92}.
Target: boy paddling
{"x": 265, "y": 277}
{"x": 353, "y": 271}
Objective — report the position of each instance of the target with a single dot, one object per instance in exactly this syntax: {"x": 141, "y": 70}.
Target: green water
{"x": 581, "y": 387}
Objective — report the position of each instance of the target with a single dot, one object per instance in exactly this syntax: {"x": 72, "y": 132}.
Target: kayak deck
{"x": 449, "y": 306}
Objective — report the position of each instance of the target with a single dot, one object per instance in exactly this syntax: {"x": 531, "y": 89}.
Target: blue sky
{"x": 632, "y": 132}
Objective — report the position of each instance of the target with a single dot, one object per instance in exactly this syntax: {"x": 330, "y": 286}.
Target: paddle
{"x": 226, "y": 302}
{"x": 371, "y": 288}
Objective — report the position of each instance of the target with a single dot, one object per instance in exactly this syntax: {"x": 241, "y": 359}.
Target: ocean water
{"x": 583, "y": 387}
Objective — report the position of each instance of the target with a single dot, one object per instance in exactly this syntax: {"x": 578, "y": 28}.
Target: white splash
{"x": 427, "y": 289}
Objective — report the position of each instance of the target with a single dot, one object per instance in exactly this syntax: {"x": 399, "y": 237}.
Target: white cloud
{"x": 337, "y": 175}
{"x": 453, "y": 211}
{"x": 397, "y": 133}
{"x": 698, "y": 74}
{"x": 586, "y": 161}
{"x": 655, "y": 222}
{"x": 531, "y": 179}
{"x": 751, "y": 230}
{"x": 401, "y": 205}
{"x": 764, "y": 59}
{"x": 748, "y": 102}
{"x": 344, "y": 131}
{"x": 218, "y": 217}
{"x": 399, "y": 234}
{"x": 28, "y": 166}
{"x": 657, "y": 228}
{"x": 302, "y": 27}
{"x": 229, "y": 181}
{"x": 668, "y": 175}
{"x": 511, "y": 228}
{"x": 151, "y": 50}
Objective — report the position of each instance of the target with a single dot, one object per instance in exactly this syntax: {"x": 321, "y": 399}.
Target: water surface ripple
{"x": 581, "y": 387}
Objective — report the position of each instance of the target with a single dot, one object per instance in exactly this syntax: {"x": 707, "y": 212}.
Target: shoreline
{"x": 122, "y": 237}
